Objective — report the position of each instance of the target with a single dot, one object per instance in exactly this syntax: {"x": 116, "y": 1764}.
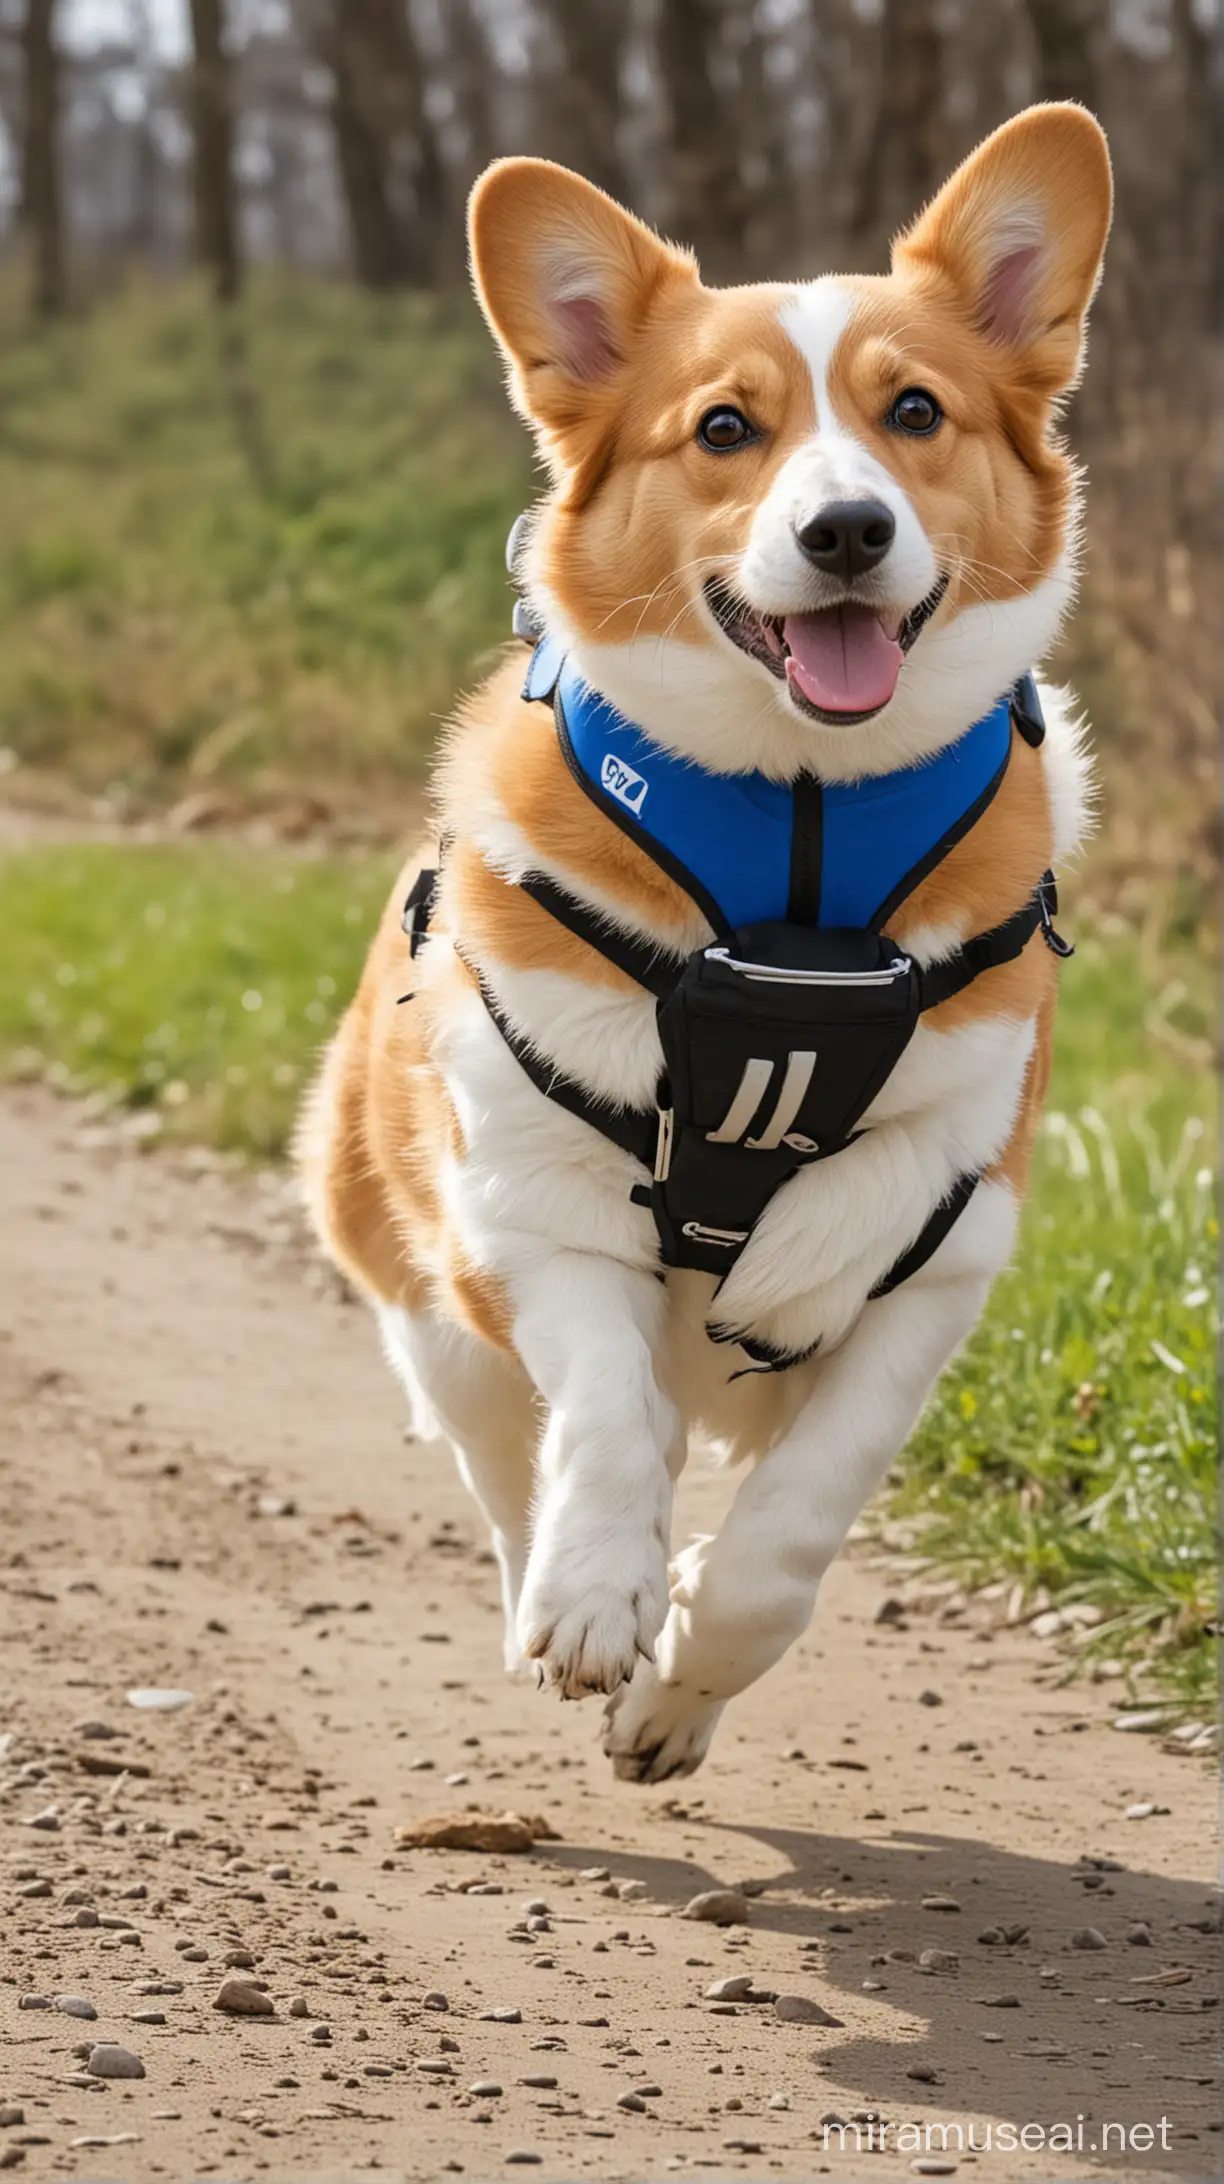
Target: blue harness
{"x": 778, "y": 1034}
{"x": 744, "y": 847}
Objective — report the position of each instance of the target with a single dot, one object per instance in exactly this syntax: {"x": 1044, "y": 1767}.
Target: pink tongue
{"x": 841, "y": 659}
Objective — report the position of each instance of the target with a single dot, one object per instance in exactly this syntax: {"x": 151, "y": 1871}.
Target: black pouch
{"x": 774, "y": 1042}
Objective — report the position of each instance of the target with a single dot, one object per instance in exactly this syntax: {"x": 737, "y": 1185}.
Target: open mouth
{"x": 840, "y": 663}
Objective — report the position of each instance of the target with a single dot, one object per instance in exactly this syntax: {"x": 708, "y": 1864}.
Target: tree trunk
{"x": 391, "y": 167}
{"x": 213, "y": 124}
{"x": 904, "y": 155}
{"x": 580, "y": 92}
{"x": 1069, "y": 36}
{"x": 705, "y": 194}
{"x": 40, "y": 164}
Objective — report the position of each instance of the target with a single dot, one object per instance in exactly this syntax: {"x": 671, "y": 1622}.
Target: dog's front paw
{"x": 656, "y": 1730}
{"x": 587, "y": 1631}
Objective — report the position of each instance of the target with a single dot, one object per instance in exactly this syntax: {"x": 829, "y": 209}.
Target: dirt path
{"x": 205, "y": 1483}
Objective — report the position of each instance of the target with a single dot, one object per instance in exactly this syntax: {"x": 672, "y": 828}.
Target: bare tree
{"x": 40, "y": 158}
{"x": 704, "y": 183}
{"x": 213, "y": 125}
{"x": 1069, "y": 36}
{"x": 390, "y": 161}
{"x": 904, "y": 155}
{"x": 579, "y": 98}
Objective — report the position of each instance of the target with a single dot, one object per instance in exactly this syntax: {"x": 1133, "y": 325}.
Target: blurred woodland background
{"x": 255, "y": 463}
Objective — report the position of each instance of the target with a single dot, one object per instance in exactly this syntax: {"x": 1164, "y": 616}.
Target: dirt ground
{"x": 205, "y": 1484}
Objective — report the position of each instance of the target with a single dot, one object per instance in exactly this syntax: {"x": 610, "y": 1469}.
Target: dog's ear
{"x": 1019, "y": 233}
{"x": 566, "y": 279}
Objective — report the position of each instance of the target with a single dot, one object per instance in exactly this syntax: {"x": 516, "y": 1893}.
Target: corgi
{"x": 799, "y": 539}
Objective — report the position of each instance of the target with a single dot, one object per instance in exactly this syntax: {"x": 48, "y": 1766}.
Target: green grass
{"x": 1072, "y": 1445}
{"x": 257, "y": 561}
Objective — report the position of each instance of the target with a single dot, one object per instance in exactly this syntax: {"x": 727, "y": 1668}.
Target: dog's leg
{"x": 595, "y": 1595}
{"x": 482, "y": 1403}
{"x": 741, "y": 1599}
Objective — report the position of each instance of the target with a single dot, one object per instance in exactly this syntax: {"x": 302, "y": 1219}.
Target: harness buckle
{"x": 1047, "y": 904}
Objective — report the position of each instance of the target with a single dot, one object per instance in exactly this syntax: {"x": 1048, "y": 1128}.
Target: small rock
{"x": 160, "y": 1986}
{"x": 632, "y": 2101}
{"x": 485, "y": 2089}
{"x": 779, "y": 2100}
{"x": 631, "y": 1891}
{"x": 735, "y": 1989}
{"x": 96, "y": 1729}
{"x": 34, "y": 2002}
{"x": 501, "y": 2017}
{"x": 33, "y": 1890}
{"x": 237, "y": 1960}
{"x": 491, "y": 1831}
{"x": 930, "y": 1698}
{"x": 742, "y": 2145}
{"x": 923, "y": 2073}
{"x": 47, "y": 1820}
{"x": 1139, "y": 1935}
{"x": 938, "y": 1960}
{"x": 932, "y": 2165}
{"x": 718, "y": 1907}
{"x": 148, "y": 2017}
{"x": 109, "y": 2060}
{"x": 522, "y": 2156}
{"x": 75, "y": 2005}
{"x": 940, "y": 1903}
{"x": 435, "y": 2000}
{"x": 10, "y": 2116}
{"x": 541, "y": 2080}
{"x": 240, "y": 1998}
{"x": 157, "y": 1701}
{"x": 1088, "y": 1937}
{"x": 299, "y": 2007}
{"x": 798, "y": 2009}
{"x": 593, "y": 1873}
{"x": 1145, "y": 1812}
{"x": 999, "y": 2001}
{"x": 321, "y": 2033}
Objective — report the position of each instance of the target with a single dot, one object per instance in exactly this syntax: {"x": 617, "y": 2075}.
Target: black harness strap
{"x": 929, "y": 1238}
{"x": 634, "y": 1129}
{"x": 642, "y": 960}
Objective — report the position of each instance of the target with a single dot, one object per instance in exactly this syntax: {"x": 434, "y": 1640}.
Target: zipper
{"x": 772, "y": 974}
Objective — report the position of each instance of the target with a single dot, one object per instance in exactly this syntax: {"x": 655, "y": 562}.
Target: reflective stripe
{"x": 753, "y": 1086}
{"x": 798, "y": 1077}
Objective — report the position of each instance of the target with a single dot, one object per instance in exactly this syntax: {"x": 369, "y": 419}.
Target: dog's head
{"x": 822, "y": 524}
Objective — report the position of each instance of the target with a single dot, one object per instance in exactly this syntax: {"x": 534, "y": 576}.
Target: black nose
{"x": 847, "y": 537}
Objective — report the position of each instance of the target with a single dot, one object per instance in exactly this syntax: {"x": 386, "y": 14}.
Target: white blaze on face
{"x": 843, "y": 658}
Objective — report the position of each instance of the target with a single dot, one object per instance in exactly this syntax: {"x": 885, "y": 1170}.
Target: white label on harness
{"x": 623, "y": 783}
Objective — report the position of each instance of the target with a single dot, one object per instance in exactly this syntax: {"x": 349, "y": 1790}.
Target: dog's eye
{"x": 723, "y": 429}
{"x": 915, "y": 411}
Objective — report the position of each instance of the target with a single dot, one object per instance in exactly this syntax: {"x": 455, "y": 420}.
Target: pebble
{"x": 11, "y": 2116}
{"x": 999, "y": 2001}
{"x": 593, "y": 1873}
{"x": 485, "y": 2089}
{"x": 435, "y": 2000}
{"x": 541, "y": 2080}
{"x": 734, "y": 1989}
{"x": 109, "y": 2060}
{"x": 157, "y": 1701}
{"x": 631, "y": 1891}
{"x": 74, "y": 2005}
{"x": 1139, "y": 1935}
{"x": 718, "y": 1907}
{"x": 930, "y": 2165}
{"x": 799, "y": 2009}
{"x": 90, "y": 1728}
{"x": 237, "y": 1960}
{"x": 779, "y": 2100}
{"x": 33, "y": 1890}
{"x": 522, "y": 2155}
{"x": 321, "y": 2033}
{"x": 240, "y": 1998}
{"x": 923, "y": 2073}
{"x": 742, "y": 2145}
{"x": 299, "y": 2007}
{"x": 148, "y": 2017}
{"x": 47, "y": 1820}
{"x": 940, "y": 1903}
{"x": 159, "y": 1986}
{"x": 1088, "y": 1937}
{"x": 632, "y": 2101}
{"x": 34, "y": 2002}
{"x": 939, "y": 1960}
{"x": 87, "y": 1916}
{"x": 1133, "y": 1812}
{"x": 501, "y": 2017}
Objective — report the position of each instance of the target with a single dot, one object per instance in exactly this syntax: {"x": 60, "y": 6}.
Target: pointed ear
{"x": 566, "y": 279}
{"x": 1019, "y": 233}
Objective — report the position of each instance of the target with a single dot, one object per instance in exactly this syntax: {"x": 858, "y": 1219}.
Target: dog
{"x": 806, "y": 533}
